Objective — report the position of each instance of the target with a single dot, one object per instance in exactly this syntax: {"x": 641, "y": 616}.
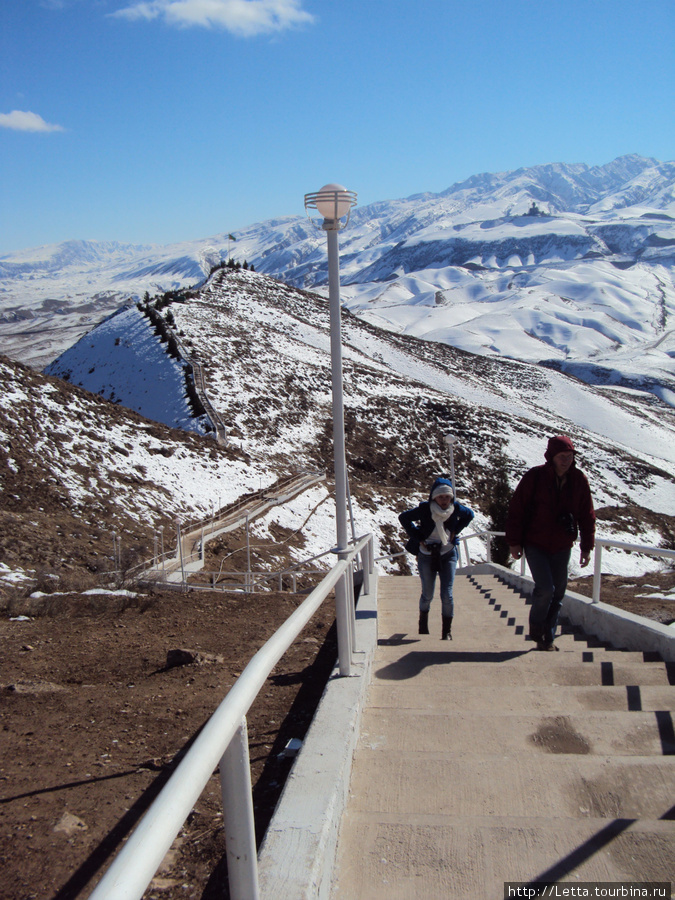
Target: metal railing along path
{"x": 486, "y": 536}
{"x": 192, "y": 536}
{"x": 633, "y": 548}
{"x": 278, "y": 492}
{"x": 223, "y": 742}
{"x": 597, "y": 559}
{"x": 213, "y": 416}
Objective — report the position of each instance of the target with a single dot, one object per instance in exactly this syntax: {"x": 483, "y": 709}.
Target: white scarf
{"x": 440, "y": 517}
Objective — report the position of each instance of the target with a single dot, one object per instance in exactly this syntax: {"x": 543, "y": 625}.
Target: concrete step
{"x": 493, "y": 636}
{"x": 432, "y": 858}
{"x": 616, "y": 733}
{"x": 512, "y": 630}
{"x": 565, "y": 786}
{"x": 523, "y": 699}
{"x": 513, "y": 667}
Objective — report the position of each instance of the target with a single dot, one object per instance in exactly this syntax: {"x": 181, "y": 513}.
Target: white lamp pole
{"x": 334, "y": 203}
{"x": 451, "y": 441}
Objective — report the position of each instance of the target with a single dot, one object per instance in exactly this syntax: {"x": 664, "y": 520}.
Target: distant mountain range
{"x": 568, "y": 265}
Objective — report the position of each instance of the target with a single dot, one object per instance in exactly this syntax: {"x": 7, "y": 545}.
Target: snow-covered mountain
{"x": 265, "y": 349}
{"x": 566, "y": 264}
{"x": 50, "y": 296}
{"x": 78, "y": 472}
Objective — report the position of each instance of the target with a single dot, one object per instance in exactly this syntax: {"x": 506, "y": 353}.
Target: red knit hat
{"x": 559, "y": 444}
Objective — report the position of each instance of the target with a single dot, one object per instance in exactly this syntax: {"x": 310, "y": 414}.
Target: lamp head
{"x": 333, "y": 202}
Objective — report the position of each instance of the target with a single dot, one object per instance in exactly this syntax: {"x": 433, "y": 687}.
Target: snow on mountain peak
{"x": 562, "y": 263}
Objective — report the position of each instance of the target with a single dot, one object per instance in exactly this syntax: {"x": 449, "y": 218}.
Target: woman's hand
{"x": 516, "y": 551}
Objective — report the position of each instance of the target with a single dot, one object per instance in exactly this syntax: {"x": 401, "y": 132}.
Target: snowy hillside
{"x": 567, "y": 264}
{"x": 76, "y": 470}
{"x": 265, "y": 350}
{"x": 123, "y": 345}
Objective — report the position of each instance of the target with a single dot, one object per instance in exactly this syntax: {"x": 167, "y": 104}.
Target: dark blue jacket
{"x": 419, "y": 523}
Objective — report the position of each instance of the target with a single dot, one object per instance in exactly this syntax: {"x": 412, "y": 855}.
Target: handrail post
{"x": 597, "y": 571}
{"x": 343, "y": 618}
{"x": 366, "y": 562}
{"x": 238, "y": 819}
{"x": 352, "y": 608}
{"x": 180, "y": 551}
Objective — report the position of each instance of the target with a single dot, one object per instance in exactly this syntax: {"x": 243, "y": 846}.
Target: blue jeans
{"x": 549, "y": 572}
{"x": 446, "y": 573}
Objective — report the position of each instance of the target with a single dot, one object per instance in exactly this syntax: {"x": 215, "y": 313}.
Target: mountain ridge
{"x": 588, "y": 289}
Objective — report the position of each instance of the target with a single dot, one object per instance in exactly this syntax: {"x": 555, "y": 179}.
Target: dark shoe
{"x": 424, "y": 623}
{"x": 546, "y": 645}
{"x": 446, "y": 633}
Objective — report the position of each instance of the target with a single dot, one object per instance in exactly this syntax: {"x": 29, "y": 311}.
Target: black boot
{"x": 424, "y": 623}
{"x": 446, "y": 634}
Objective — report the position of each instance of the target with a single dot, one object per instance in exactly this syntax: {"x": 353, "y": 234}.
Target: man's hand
{"x": 516, "y": 551}
{"x": 584, "y": 559}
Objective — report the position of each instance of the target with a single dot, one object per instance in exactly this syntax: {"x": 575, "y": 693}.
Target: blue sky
{"x": 171, "y": 120}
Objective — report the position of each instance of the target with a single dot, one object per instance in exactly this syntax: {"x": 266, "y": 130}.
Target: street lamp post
{"x": 161, "y": 539}
{"x": 451, "y": 441}
{"x": 334, "y": 203}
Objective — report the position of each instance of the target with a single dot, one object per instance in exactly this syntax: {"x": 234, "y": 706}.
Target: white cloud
{"x": 18, "y": 120}
{"x": 245, "y": 18}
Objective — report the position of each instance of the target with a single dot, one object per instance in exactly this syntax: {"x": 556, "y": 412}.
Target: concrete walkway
{"x": 482, "y": 761}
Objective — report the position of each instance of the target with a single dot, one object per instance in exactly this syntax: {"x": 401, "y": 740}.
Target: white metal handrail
{"x": 597, "y": 560}
{"x": 463, "y": 543}
{"x": 465, "y": 538}
{"x": 223, "y": 742}
{"x": 635, "y": 548}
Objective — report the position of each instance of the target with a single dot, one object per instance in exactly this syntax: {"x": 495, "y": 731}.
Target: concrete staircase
{"x": 482, "y": 761}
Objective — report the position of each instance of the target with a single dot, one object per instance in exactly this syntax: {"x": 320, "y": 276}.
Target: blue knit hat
{"x": 441, "y": 486}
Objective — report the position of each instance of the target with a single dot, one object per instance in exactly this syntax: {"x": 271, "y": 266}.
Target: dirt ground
{"x": 634, "y": 593}
{"x": 94, "y": 721}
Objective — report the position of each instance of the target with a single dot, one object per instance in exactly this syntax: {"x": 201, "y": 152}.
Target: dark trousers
{"x": 549, "y": 572}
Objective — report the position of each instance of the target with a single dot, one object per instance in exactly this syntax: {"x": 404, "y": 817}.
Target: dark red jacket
{"x": 538, "y": 506}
